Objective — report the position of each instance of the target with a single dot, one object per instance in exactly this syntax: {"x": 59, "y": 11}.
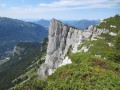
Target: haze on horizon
{"x": 59, "y": 9}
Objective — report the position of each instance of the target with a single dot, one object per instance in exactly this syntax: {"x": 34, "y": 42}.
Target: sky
{"x": 59, "y": 9}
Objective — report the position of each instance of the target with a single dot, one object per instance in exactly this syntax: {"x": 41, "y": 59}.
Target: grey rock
{"x": 61, "y": 38}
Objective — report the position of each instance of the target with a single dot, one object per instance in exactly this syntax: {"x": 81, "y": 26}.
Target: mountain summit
{"x": 62, "y": 40}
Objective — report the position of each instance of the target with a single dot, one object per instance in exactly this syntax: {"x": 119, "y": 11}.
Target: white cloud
{"x": 82, "y": 3}
{"x": 44, "y": 9}
{"x": 64, "y": 5}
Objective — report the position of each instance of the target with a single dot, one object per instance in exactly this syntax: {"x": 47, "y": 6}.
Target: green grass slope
{"x": 97, "y": 69}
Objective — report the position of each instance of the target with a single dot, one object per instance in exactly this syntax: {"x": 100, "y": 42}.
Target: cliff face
{"x": 62, "y": 39}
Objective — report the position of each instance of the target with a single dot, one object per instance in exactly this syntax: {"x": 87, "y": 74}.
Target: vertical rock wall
{"x": 62, "y": 39}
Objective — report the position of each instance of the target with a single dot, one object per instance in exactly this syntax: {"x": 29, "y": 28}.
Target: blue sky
{"x": 59, "y": 9}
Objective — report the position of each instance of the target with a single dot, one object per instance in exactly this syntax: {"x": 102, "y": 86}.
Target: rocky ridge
{"x": 62, "y": 40}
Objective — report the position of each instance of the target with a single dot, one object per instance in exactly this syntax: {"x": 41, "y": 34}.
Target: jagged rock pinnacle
{"x": 61, "y": 38}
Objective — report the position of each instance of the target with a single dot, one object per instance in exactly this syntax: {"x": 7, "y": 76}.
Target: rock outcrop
{"x": 62, "y": 40}
{"x": 17, "y": 50}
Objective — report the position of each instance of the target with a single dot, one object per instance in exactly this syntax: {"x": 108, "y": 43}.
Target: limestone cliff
{"x": 63, "y": 39}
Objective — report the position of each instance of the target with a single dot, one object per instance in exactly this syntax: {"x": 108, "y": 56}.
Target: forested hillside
{"x": 13, "y": 31}
{"x": 26, "y": 59}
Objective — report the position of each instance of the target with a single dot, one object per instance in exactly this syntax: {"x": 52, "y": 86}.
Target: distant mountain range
{"x": 13, "y": 31}
{"x": 43, "y": 22}
{"x": 81, "y": 24}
